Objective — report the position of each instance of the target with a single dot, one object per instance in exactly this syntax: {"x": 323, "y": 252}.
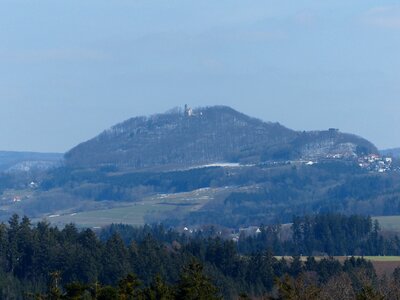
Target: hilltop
{"x": 182, "y": 138}
{"x": 209, "y": 165}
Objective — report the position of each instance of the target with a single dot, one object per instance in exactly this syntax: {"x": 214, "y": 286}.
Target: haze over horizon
{"x": 69, "y": 70}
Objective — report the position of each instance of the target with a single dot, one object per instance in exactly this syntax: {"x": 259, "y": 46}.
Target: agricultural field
{"x": 152, "y": 208}
{"x": 342, "y": 258}
{"x": 132, "y": 215}
{"x": 391, "y": 223}
{"x": 382, "y": 264}
{"x": 383, "y": 258}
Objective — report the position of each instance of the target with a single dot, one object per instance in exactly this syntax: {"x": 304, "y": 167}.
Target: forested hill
{"x": 182, "y": 138}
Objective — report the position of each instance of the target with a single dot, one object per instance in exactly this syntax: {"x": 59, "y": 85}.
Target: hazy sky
{"x": 70, "y": 69}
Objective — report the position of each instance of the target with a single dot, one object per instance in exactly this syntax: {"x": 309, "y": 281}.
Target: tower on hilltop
{"x": 188, "y": 111}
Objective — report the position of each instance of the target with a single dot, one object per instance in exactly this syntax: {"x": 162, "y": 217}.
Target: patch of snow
{"x": 220, "y": 164}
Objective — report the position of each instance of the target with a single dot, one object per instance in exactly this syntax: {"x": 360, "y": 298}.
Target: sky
{"x": 71, "y": 69}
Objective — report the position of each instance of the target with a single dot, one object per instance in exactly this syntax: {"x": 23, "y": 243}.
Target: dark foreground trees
{"x": 193, "y": 285}
{"x": 44, "y": 262}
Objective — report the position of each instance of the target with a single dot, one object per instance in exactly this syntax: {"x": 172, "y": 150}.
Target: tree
{"x": 159, "y": 290}
{"x": 302, "y": 287}
{"x": 194, "y": 285}
{"x": 54, "y": 288}
{"x": 338, "y": 287}
{"x": 107, "y": 293}
{"x": 115, "y": 260}
{"x": 75, "y": 291}
{"x": 128, "y": 288}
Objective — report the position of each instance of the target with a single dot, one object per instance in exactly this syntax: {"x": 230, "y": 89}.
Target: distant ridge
{"x": 208, "y": 135}
{"x": 14, "y": 161}
{"x": 394, "y": 152}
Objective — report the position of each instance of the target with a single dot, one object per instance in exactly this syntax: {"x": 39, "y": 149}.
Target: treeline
{"x": 193, "y": 284}
{"x": 36, "y": 259}
{"x": 324, "y": 234}
{"x": 325, "y": 279}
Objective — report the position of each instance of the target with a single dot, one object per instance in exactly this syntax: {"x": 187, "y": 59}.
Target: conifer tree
{"x": 194, "y": 285}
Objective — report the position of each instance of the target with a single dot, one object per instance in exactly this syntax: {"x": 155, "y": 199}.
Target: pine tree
{"x": 128, "y": 288}
{"x": 194, "y": 285}
{"x": 159, "y": 290}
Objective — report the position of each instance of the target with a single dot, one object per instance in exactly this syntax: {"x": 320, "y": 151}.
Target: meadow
{"x": 141, "y": 212}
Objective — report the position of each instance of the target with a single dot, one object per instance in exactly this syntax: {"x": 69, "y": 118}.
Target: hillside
{"x": 25, "y": 161}
{"x": 207, "y": 135}
{"x": 229, "y": 196}
{"x": 210, "y": 165}
{"x": 393, "y": 152}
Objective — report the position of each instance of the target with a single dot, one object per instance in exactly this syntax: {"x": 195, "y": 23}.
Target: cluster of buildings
{"x": 375, "y": 163}
{"x": 225, "y": 233}
{"x": 15, "y": 196}
{"x": 370, "y": 162}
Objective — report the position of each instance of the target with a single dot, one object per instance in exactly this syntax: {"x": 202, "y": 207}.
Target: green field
{"x": 156, "y": 207}
{"x": 383, "y": 258}
{"x": 389, "y": 222}
{"x": 342, "y": 258}
{"x": 132, "y": 215}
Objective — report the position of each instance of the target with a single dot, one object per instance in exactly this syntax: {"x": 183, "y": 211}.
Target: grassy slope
{"x": 132, "y": 215}
{"x": 137, "y": 212}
